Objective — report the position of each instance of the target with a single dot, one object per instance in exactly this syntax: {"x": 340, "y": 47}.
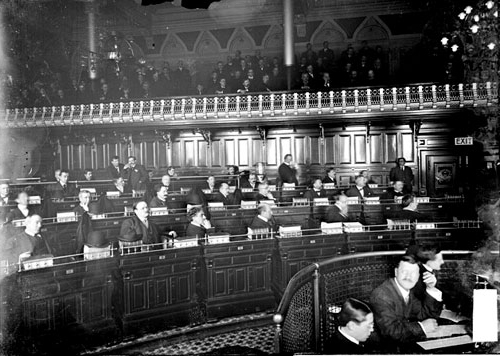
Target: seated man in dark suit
{"x": 402, "y": 318}
{"x": 166, "y": 180}
{"x": 115, "y": 169}
{"x": 199, "y": 225}
{"x": 251, "y": 182}
{"x": 355, "y": 324}
{"x": 338, "y": 211}
{"x": 139, "y": 230}
{"x": 409, "y": 211}
{"x": 316, "y": 191}
{"x": 83, "y": 207}
{"x": 264, "y": 220}
{"x": 62, "y": 189}
{"x": 22, "y": 210}
{"x": 120, "y": 186}
{"x": 223, "y": 196}
{"x": 210, "y": 184}
{"x": 360, "y": 190}
{"x": 395, "y": 191}
{"x": 88, "y": 175}
{"x": 160, "y": 200}
{"x": 5, "y": 198}
{"x": 30, "y": 239}
{"x": 330, "y": 176}
{"x": 264, "y": 193}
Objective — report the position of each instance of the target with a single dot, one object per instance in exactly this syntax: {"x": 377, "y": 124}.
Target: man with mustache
{"x": 402, "y": 318}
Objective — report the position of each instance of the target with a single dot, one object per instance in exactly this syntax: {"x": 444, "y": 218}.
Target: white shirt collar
{"x": 262, "y": 218}
{"x": 348, "y": 337}
{"x": 405, "y": 293}
{"x": 428, "y": 268}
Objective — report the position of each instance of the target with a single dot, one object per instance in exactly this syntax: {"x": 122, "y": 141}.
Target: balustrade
{"x": 358, "y": 100}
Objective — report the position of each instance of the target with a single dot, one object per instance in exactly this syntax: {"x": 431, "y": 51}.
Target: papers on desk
{"x": 451, "y": 315}
{"x": 441, "y": 343}
{"x": 447, "y": 330}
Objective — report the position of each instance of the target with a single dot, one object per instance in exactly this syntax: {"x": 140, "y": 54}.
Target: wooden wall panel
{"x": 216, "y": 153}
{"x": 407, "y": 146}
{"x": 88, "y": 160}
{"x": 344, "y": 148}
{"x": 329, "y": 150}
{"x": 65, "y": 158}
{"x": 230, "y": 152}
{"x": 257, "y": 151}
{"x": 163, "y": 155}
{"x": 285, "y": 148}
{"x": 102, "y": 155}
{"x": 176, "y": 154}
{"x": 360, "y": 147}
{"x": 376, "y": 149}
{"x": 299, "y": 144}
{"x": 189, "y": 153}
{"x": 271, "y": 152}
{"x": 243, "y": 152}
{"x": 150, "y": 161}
{"x": 76, "y": 156}
{"x": 203, "y": 154}
{"x": 314, "y": 147}
{"x": 391, "y": 147}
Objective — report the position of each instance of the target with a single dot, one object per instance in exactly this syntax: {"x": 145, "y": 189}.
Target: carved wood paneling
{"x": 360, "y": 148}
{"x": 376, "y": 149}
{"x": 344, "y": 147}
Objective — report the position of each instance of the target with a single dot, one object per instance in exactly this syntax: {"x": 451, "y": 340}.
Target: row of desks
{"x": 145, "y": 291}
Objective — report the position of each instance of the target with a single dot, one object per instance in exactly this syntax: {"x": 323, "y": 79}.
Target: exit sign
{"x": 463, "y": 141}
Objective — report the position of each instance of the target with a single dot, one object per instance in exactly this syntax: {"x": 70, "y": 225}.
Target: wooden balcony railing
{"x": 259, "y": 105}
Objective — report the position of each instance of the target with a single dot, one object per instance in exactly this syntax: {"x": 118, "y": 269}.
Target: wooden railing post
{"x": 447, "y": 93}
{"x": 295, "y": 103}
{"x": 249, "y": 106}
{"x": 368, "y": 100}
{"x": 420, "y": 97}
{"x": 193, "y": 108}
{"x": 344, "y": 102}
{"x": 283, "y": 104}
{"x": 488, "y": 93}
{"x": 238, "y": 114}
{"x": 172, "y": 108}
{"x": 319, "y": 103}
{"x": 272, "y": 104}
{"x": 260, "y": 106}
{"x": 434, "y": 96}
{"x": 408, "y": 102}
{"x": 461, "y": 95}
{"x": 474, "y": 94}
{"x": 278, "y": 319}
{"x": 381, "y": 93}
{"x": 216, "y": 107}
{"x": 226, "y": 105}
{"x": 394, "y": 99}
{"x": 308, "y": 95}
{"x": 205, "y": 108}
{"x": 356, "y": 100}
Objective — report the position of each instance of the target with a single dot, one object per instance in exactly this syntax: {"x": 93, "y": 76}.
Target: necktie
{"x": 403, "y": 169}
{"x": 64, "y": 187}
{"x": 146, "y": 223}
{"x": 407, "y": 299}
{"x": 361, "y": 192}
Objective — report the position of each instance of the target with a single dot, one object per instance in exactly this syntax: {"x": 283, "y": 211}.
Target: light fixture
{"x": 491, "y": 46}
{"x": 476, "y": 18}
{"x": 454, "y": 48}
{"x": 461, "y": 15}
{"x": 474, "y": 28}
{"x": 444, "y": 41}
{"x": 490, "y": 4}
{"x": 468, "y": 10}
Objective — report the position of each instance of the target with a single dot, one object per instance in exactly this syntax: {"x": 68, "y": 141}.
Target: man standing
{"x": 287, "y": 172}
{"x": 115, "y": 169}
{"x": 136, "y": 174}
{"x": 403, "y": 174}
{"x": 401, "y": 317}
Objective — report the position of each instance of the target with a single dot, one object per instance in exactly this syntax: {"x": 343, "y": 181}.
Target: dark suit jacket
{"x": 16, "y": 214}
{"x": 193, "y": 231}
{"x": 311, "y": 194}
{"x": 148, "y": 235}
{"x": 398, "y": 322}
{"x": 258, "y": 223}
{"x": 37, "y": 244}
{"x": 333, "y": 215}
{"x": 218, "y": 197}
{"x": 57, "y": 191}
{"x": 287, "y": 174}
{"x": 354, "y": 192}
{"x": 340, "y": 345}
{"x": 390, "y": 194}
{"x": 136, "y": 177}
{"x": 113, "y": 173}
{"x": 157, "y": 203}
{"x": 245, "y": 184}
{"x": 329, "y": 180}
{"x": 406, "y": 176}
{"x": 79, "y": 210}
{"x": 258, "y": 197}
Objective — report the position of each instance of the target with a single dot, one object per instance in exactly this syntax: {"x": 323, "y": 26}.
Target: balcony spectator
{"x": 229, "y": 67}
{"x": 276, "y": 81}
{"x": 367, "y": 52}
{"x": 245, "y": 87}
{"x": 303, "y": 84}
{"x": 236, "y": 82}
{"x": 261, "y": 68}
{"x": 181, "y": 80}
{"x": 60, "y": 98}
{"x": 200, "y": 90}
{"x": 326, "y": 85}
{"x": 221, "y": 72}
{"x": 212, "y": 83}
{"x": 309, "y": 54}
{"x": 222, "y": 88}
{"x": 43, "y": 99}
{"x": 348, "y": 56}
